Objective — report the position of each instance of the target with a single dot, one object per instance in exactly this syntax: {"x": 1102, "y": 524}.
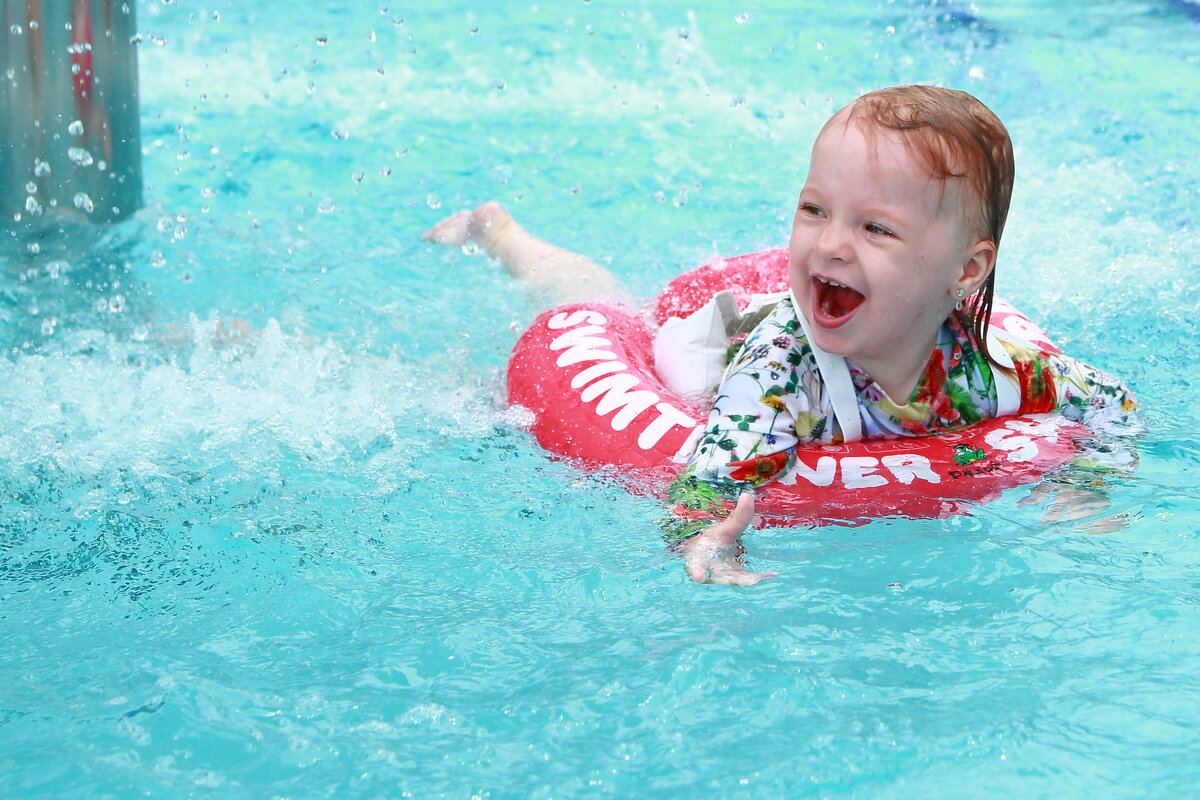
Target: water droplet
{"x": 470, "y": 248}
{"x": 41, "y": 168}
{"x": 80, "y": 156}
{"x": 433, "y": 201}
{"x": 358, "y": 176}
{"x": 75, "y": 128}
{"x": 325, "y": 206}
{"x": 83, "y": 202}
{"x": 740, "y": 18}
{"x": 157, "y": 259}
{"x": 322, "y": 41}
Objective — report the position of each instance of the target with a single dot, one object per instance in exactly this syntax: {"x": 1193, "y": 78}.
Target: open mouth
{"x": 834, "y": 303}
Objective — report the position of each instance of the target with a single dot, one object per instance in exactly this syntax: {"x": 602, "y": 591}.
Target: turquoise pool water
{"x": 330, "y": 563}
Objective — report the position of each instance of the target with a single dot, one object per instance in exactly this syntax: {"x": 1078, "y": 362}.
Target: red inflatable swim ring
{"x": 585, "y": 371}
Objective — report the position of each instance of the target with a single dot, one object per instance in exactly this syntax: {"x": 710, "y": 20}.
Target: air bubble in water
{"x": 820, "y": 45}
{"x": 576, "y": 188}
{"x": 474, "y": 29}
{"x": 740, "y": 18}
{"x": 499, "y": 84}
{"x": 30, "y": 187}
{"x": 75, "y": 128}
{"x": 660, "y": 196}
{"x": 358, "y": 176}
{"x": 83, "y": 202}
{"x": 56, "y": 268}
{"x": 15, "y": 30}
{"x": 157, "y": 259}
{"x": 737, "y": 101}
{"x": 48, "y": 326}
{"x": 325, "y": 206}
{"x": 385, "y": 171}
{"x": 117, "y": 304}
{"x": 164, "y": 224}
{"x": 80, "y": 156}
{"x": 322, "y": 41}
{"x": 433, "y": 201}
{"x": 41, "y": 168}
{"x": 32, "y": 205}
{"x": 338, "y": 133}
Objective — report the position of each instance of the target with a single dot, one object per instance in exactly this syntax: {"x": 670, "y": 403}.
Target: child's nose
{"x": 834, "y": 242}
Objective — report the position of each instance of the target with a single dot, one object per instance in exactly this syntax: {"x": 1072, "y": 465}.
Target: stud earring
{"x": 958, "y": 305}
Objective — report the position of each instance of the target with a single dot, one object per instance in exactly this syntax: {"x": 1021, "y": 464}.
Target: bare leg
{"x": 547, "y": 270}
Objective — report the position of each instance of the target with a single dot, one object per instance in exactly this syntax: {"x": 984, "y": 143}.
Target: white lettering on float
{"x": 1023, "y": 448}
{"x": 859, "y": 472}
{"x": 608, "y": 379}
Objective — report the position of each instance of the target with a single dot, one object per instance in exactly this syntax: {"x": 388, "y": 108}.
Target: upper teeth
{"x": 833, "y": 283}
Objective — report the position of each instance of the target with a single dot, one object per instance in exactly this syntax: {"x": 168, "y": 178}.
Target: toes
{"x": 451, "y": 230}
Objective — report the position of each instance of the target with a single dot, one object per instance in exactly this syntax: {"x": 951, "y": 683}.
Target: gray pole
{"x": 70, "y": 144}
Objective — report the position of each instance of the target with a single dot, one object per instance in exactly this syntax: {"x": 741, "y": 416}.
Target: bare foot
{"x": 489, "y": 226}
{"x": 451, "y": 230}
{"x": 549, "y": 271}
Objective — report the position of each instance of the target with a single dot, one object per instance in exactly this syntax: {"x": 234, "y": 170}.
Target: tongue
{"x": 837, "y": 301}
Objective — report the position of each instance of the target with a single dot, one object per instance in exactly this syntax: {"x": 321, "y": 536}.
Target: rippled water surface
{"x": 324, "y": 560}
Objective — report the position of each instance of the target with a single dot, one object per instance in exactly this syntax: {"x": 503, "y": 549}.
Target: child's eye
{"x": 877, "y": 229}
{"x": 812, "y": 210}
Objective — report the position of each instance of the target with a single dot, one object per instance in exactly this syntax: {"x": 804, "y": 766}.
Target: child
{"x": 891, "y": 264}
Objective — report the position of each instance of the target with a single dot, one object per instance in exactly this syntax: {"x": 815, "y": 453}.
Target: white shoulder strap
{"x": 1008, "y": 390}
{"x": 836, "y": 376}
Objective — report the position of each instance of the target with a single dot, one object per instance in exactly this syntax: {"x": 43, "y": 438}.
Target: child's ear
{"x": 981, "y": 258}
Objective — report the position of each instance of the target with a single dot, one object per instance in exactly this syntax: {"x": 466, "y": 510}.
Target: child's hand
{"x": 1070, "y": 503}
{"x": 715, "y": 557}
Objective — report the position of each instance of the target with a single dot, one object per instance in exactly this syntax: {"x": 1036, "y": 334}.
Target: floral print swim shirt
{"x": 773, "y": 400}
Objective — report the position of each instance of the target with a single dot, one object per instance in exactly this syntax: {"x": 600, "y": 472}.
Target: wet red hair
{"x": 954, "y": 136}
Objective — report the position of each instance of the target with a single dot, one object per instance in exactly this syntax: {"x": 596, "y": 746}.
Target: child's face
{"x": 871, "y": 219}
